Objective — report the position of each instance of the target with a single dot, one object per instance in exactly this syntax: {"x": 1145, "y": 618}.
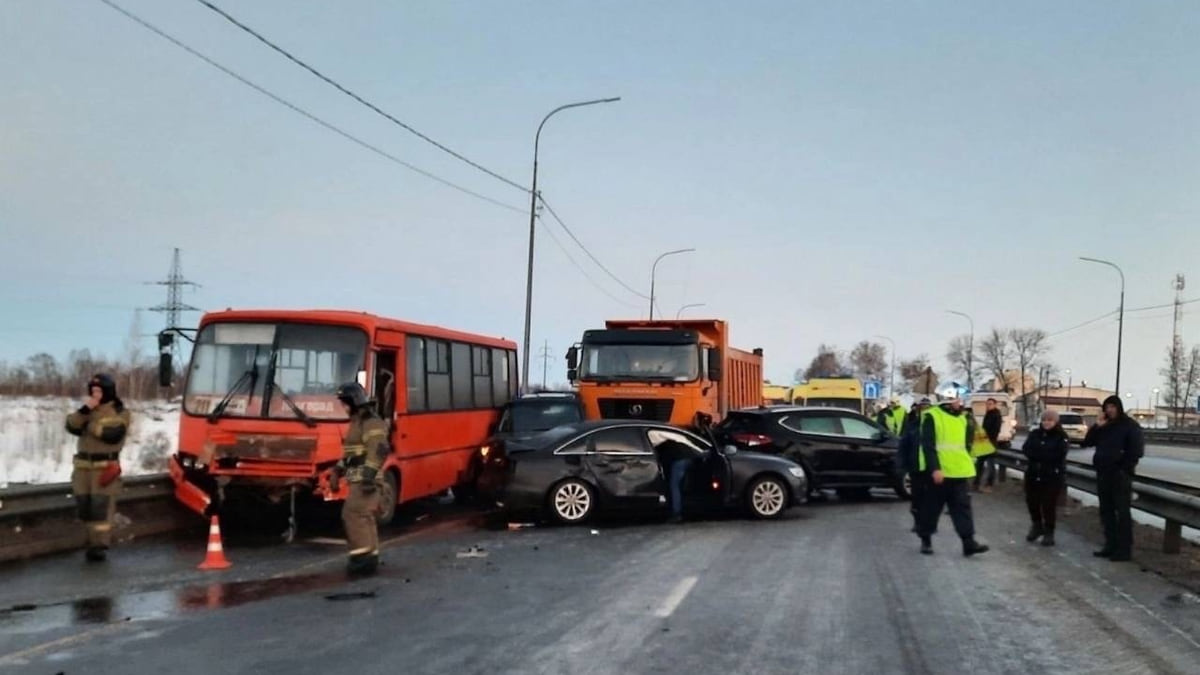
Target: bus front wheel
{"x": 387, "y": 498}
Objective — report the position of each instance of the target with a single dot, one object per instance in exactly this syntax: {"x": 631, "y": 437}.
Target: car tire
{"x": 904, "y": 486}
{"x": 388, "y": 498}
{"x": 767, "y": 497}
{"x": 571, "y": 501}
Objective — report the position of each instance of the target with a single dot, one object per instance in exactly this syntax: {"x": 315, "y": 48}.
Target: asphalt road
{"x": 1177, "y": 464}
{"x": 834, "y": 588}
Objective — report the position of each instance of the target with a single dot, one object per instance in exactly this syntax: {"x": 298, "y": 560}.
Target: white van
{"x": 1008, "y": 411}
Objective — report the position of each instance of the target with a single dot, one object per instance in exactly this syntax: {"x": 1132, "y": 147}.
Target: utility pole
{"x": 545, "y": 355}
{"x": 1177, "y": 347}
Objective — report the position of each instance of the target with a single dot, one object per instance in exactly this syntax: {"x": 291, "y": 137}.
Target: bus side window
{"x": 385, "y": 383}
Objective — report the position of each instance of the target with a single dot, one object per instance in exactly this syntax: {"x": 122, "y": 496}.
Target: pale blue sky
{"x": 845, "y": 169}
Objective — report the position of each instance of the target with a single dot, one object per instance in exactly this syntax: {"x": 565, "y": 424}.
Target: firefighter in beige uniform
{"x": 364, "y": 450}
{"x": 101, "y": 424}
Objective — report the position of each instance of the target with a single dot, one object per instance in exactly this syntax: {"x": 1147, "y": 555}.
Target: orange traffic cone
{"x": 215, "y": 559}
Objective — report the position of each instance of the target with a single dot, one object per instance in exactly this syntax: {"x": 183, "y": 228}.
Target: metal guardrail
{"x": 1175, "y": 503}
{"x": 36, "y": 500}
{"x": 1176, "y": 436}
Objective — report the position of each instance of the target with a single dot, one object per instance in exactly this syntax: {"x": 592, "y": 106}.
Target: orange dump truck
{"x": 667, "y": 371}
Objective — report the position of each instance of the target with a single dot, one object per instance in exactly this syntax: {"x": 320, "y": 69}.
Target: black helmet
{"x": 108, "y": 386}
{"x": 353, "y": 395}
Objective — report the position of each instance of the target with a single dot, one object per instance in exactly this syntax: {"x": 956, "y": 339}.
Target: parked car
{"x": 572, "y": 472}
{"x": 1073, "y": 424}
{"x": 839, "y": 449}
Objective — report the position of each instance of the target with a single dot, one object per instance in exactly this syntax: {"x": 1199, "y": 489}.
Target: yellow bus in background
{"x": 830, "y": 392}
{"x": 775, "y": 394}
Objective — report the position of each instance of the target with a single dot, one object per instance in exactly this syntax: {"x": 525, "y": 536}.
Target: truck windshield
{"x": 673, "y": 363}
{"x": 300, "y": 367}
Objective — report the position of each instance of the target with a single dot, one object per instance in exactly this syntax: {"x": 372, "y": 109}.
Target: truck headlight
{"x": 796, "y": 471}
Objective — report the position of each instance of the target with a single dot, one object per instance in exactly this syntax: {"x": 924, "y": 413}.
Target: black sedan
{"x": 839, "y": 449}
{"x": 573, "y": 471}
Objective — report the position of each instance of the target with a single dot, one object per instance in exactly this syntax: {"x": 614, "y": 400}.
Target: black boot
{"x": 1103, "y": 553}
{"x": 972, "y": 547}
{"x": 1035, "y": 531}
{"x": 96, "y": 554}
{"x": 926, "y": 546}
{"x": 363, "y": 565}
{"x": 1048, "y": 539}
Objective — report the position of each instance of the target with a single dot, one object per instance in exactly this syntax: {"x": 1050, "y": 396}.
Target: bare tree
{"x": 868, "y": 359}
{"x": 926, "y": 382}
{"x": 910, "y": 371}
{"x": 1030, "y": 346}
{"x": 1181, "y": 378}
{"x": 827, "y": 363}
{"x": 958, "y": 354}
{"x": 995, "y": 352}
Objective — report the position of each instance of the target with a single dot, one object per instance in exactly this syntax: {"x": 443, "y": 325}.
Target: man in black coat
{"x": 1119, "y": 445}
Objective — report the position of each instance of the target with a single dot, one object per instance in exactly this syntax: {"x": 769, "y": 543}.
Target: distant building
{"x": 1087, "y": 401}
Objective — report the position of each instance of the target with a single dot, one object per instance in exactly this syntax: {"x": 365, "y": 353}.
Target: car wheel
{"x": 904, "y": 486}
{"x": 387, "y": 498}
{"x": 767, "y": 497}
{"x": 572, "y": 501}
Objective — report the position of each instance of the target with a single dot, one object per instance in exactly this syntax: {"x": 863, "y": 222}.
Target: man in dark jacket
{"x": 907, "y": 462}
{"x": 993, "y": 422}
{"x": 1119, "y": 445}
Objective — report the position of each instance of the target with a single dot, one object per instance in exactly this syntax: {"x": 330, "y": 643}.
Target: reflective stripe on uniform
{"x": 363, "y": 551}
{"x": 79, "y": 463}
{"x": 100, "y": 525}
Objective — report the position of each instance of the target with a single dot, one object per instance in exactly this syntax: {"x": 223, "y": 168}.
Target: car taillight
{"x": 751, "y": 440}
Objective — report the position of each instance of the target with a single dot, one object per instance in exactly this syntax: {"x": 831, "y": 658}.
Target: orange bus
{"x": 261, "y": 424}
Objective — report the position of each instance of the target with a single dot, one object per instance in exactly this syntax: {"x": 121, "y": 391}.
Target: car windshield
{"x": 1070, "y": 418}
{"x": 526, "y": 416}
{"x": 676, "y": 363}
{"x": 272, "y": 370}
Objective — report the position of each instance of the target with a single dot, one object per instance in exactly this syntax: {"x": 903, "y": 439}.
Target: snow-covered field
{"x": 36, "y": 448}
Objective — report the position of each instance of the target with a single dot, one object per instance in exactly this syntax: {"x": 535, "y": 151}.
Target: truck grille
{"x": 656, "y": 409}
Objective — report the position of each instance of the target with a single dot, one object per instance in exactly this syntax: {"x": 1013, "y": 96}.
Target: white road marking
{"x": 677, "y": 595}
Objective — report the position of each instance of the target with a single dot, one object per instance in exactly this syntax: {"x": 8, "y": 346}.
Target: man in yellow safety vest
{"x": 892, "y": 417}
{"x": 947, "y": 433}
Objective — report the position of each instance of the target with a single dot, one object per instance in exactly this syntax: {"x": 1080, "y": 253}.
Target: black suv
{"x": 529, "y": 415}
{"x": 839, "y": 449}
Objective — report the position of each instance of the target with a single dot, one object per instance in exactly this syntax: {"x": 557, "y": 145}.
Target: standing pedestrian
{"x": 101, "y": 424}
{"x": 1119, "y": 445}
{"x": 364, "y": 450}
{"x": 984, "y": 449}
{"x": 910, "y": 441}
{"x": 892, "y": 417}
{"x": 1046, "y": 449}
{"x": 947, "y": 432}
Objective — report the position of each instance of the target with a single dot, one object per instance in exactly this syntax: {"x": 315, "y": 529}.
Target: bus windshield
{"x": 270, "y": 370}
{"x": 673, "y": 363}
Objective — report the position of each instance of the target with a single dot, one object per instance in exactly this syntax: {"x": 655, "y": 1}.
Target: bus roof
{"x": 365, "y": 320}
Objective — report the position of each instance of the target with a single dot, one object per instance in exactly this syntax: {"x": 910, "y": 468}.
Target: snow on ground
{"x": 36, "y": 448}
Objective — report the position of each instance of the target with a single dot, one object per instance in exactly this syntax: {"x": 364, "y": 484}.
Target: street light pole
{"x": 654, "y": 270}
{"x": 970, "y": 349}
{"x": 533, "y": 199}
{"x": 1070, "y": 383}
{"x": 1120, "y": 314}
{"x": 892, "y": 380}
{"x": 694, "y": 304}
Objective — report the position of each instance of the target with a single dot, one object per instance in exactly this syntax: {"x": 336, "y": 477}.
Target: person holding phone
{"x": 1119, "y": 445}
{"x": 101, "y": 424}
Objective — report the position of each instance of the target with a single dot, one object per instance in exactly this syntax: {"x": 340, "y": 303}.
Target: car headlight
{"x": 796, "y": 471}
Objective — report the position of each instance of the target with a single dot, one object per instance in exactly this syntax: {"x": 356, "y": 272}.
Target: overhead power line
{"x": 582, "y": 271}
{"x": 374, "y": 108}
{"x": 589, "y": 253}
{"x": 297, "y": 109}
{"x": 1081, "y": 325}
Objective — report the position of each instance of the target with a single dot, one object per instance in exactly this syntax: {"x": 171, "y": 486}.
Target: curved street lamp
{"x": 654, "y": 270}
{"x": 970, "y": 349}
{"x": 694, "y": 304}
{"x": 533, "y": 198}
{"x": 1120, "y": 315}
